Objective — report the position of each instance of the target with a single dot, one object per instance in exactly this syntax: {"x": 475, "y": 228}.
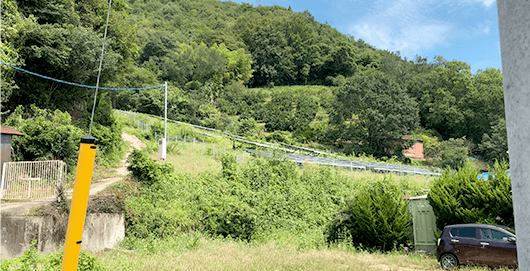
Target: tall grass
{"x": 193, "y": 251}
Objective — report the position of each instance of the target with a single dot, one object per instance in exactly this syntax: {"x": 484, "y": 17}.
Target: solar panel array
{"x": 300, "y": 158}
{"x": 352, "y": 164}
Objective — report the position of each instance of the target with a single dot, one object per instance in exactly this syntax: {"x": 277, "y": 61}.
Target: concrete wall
{"x": 101, "y": 231}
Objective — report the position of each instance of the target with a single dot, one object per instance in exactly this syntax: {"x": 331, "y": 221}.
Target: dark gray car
{"x": 476, "y": 244}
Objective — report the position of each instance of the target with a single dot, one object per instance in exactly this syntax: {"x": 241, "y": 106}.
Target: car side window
{"x": 464, "y": 232}
{"x": 467, "y": 232}
{"x": 486, "y": 233}
{"x": 494, "y": 235}
{"x": 499, "y": 235}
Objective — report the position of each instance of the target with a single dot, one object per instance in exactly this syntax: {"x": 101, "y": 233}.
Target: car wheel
{"x": 449, "y": 261}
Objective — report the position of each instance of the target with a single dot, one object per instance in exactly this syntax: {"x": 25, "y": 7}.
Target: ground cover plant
{"x": 32, "y": 260}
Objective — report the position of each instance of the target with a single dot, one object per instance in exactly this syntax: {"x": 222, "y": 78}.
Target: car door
{"x": 466, "y": 244}
{"x": 497, "y": 249}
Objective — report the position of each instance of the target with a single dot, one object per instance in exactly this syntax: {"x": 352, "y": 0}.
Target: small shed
{"x": 6, "y": 137}
{"x": 423, "y": 224}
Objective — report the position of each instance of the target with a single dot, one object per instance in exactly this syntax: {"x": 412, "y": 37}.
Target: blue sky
{"x": 464, "y": 30}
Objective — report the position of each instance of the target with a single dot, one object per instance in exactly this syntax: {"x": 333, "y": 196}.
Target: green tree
{"x": 449, "y": 153}
{"x": 494, "y": 146}
{"x": 197, "y": 68}
{"x": 238, "y": 68}
{"x": 287, "y": 111}
{"x": 484, "y": 104}
{"x": 248, "y": 127}
{"x": 380, "y": 113}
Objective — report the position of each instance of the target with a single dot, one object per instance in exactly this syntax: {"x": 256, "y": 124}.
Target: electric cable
{"x": 99, "y": 71}
{"x": 71, "y": 83}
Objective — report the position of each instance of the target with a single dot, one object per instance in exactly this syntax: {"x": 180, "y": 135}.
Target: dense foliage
{"x": 461, "y": 197}
{"x": 289, "y": 48}
{"x": 51, "y": 135}
{"x": 375, "y": 113}
{"x": 261, "y": 200}
{"x": 48, "y": 136}
{"x": 377, "y": 218}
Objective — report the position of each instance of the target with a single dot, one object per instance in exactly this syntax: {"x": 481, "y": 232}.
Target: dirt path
{"x": 23, "y": 207}
{"x": 122, "y": 169}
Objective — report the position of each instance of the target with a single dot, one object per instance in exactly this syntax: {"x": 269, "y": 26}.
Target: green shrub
{"x": 229, "y": 164}
{"x": 227, "y": 216}
{"x": 48, "y": 135}
{"x": 461, "y": 197}
{"x": 110, "y": 144}
{"x": 376, "y": 218}
{"x": 145, "y": 169}
{"x": 32, "y": 260}
{"x": 451, "y": 153}
{"x": 260, "y": 200}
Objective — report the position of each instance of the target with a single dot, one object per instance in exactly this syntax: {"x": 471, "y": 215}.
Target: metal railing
{"x": 32, "y": 180}
{"x": 297, "y": 156}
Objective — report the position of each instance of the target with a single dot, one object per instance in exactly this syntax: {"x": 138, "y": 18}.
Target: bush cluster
{"x": 377, "y": 218}
{"x": 262, "y": 200}
{"x": 462, "y": 197}
{"x": 51, "y": 135}
{"x": 48, "y": 135}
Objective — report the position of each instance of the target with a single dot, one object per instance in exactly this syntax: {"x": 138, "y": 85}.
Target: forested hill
{"x": 226, "y": 63}
{"x": 287, "y": 48}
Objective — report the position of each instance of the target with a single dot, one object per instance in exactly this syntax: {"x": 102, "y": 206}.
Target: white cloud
{"x": 486, "y": 30}
{"x": 411, "y": 26}
{"x": 486, "y": 3}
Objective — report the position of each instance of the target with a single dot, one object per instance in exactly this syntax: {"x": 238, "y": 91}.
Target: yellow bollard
{"x": 76, "y": 220}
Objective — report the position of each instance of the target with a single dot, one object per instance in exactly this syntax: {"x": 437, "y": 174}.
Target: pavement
{"x": 24, "y": 207}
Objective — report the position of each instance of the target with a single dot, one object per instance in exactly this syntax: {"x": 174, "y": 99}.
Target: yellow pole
{"x": 76, "y": 220}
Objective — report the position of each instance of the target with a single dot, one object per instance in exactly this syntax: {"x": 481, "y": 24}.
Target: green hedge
{"x": 377, "y": 218}
{"x": 462, "y": 197}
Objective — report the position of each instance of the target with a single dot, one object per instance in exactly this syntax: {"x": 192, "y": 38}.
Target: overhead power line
{"x": 74, "y": 84}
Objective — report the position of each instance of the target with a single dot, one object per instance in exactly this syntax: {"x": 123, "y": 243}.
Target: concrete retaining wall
{"x": 101, "y": 231}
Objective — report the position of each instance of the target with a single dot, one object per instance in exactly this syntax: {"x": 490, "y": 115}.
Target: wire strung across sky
{"x": 74, "y": 84}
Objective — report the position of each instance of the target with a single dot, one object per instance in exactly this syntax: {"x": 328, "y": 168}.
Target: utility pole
{"x": 164, "y": 141}
{"x": 514, "y": 32}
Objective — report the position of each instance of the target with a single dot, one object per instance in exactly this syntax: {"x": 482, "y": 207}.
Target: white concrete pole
{"x": 514, "y": 30}
{"x": 165, "y": 123}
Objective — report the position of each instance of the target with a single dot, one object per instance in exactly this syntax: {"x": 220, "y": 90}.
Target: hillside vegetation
{"x": 229, "y": 66}
{"x": 261, "y": 214}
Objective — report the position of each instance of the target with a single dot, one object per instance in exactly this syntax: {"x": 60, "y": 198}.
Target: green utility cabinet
{"x": 423, "y": 224}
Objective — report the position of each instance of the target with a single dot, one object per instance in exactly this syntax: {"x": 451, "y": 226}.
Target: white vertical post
{"x": 165, "y": 123}
{"x": 3, "y": 179}
{"x": 514, "y": 32}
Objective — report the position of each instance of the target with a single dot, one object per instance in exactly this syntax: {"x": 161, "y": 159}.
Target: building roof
{"x": 9, "y": 131}
{"x": 416, "y": 198}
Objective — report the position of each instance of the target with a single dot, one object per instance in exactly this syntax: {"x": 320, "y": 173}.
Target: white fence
{"x": 32, "y": 180}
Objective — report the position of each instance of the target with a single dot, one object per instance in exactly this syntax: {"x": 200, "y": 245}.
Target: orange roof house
{"x": 414, "y": 152}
